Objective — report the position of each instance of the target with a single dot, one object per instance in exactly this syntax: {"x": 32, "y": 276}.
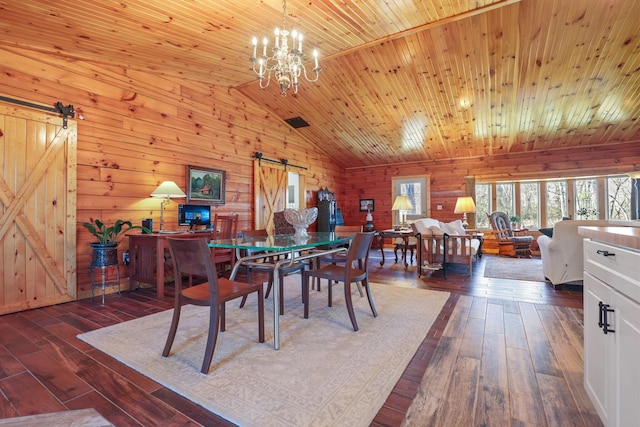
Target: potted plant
{"x": 105, "y": 250}
{"x": 515, "y": 220}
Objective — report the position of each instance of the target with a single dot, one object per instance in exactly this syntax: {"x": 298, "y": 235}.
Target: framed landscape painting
{"x": 205, "y": 185}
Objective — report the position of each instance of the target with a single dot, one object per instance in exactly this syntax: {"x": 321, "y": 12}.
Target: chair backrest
{"x": 359, "y": 251}
{"x": 192, "y": 257}
{"x": 501, "y": 224}
{"x": 253, "y": 234}
{"x": 260, "y": 234}
{"x": 225, "y": 226}
{"x": 349, "y": 228}
{"x": 280, "y": 224}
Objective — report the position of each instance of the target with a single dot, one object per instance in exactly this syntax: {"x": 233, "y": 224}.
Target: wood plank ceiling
{"x": 403, "y": 80}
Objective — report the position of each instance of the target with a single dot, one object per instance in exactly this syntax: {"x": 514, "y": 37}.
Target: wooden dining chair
{"x": 355, "y": 269}
{"x": 192, "y": 257}
{"x": 267, "y": 265}
{"x": 339, "y": 257}
{"x": 224, "y": 227}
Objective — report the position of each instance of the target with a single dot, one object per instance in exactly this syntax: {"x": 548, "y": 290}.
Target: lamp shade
{"x": 402, "y": 203}
{"x": 465, "y": 205}
{"x": 169, "y": 190}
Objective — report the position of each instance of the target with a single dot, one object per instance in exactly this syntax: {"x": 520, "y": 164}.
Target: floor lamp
{"x": 465, "y": 205}
{"x": 167, "y": 190}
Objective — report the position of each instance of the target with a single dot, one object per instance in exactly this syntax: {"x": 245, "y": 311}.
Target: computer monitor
{"x": 194, "y": 215}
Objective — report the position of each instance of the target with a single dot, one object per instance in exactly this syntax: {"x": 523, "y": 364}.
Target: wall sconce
{"x": 167, "y": 190}
{"x": 402, "y": 204}
{"x": 465, "y": 205}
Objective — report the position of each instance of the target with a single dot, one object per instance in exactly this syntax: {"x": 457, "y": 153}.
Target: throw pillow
{"x": 444, "y": 227}
{"x": 456, "y": 228}
{"x": 422, "y": 225}
{"x": 436, "y": 231}
{"x": 453, "y": 228}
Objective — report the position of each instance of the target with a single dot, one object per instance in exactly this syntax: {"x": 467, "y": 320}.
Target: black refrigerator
{"x": 328, "y": 211}
{"x": 326, "y": 215}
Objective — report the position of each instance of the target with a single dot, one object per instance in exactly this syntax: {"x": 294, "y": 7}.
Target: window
{"x": 505, "y": 200}
{"x": 618, "y": 190}
{"x": 416, "y": 189}
{"x": 530, "y": 204}
{"x": 586, "y": 198}
{"x": 483, "y": 205}
{"x": 556, "y": 201}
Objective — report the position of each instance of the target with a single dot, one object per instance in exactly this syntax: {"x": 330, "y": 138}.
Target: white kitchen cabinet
{"x": 612, "y": 332}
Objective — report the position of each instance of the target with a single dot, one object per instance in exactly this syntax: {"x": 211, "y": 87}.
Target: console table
{"x": 147, "y": 255}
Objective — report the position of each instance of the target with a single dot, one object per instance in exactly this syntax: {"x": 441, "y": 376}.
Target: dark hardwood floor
{"x": 502, "y": 352}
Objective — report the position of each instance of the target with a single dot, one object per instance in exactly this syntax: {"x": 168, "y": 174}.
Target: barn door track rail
{"x": 58, "y": 109}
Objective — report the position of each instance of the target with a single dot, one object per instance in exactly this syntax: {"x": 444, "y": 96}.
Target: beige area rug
{"x": 324, "y": 374}
{"x": 514, "y": 268}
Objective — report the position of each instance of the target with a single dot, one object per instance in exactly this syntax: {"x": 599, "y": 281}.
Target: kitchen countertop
{"x": 621, "y": 236}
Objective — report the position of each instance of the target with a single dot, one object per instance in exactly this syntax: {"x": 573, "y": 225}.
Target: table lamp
{"x": 465, "y": 205}
{"x": 167, "y": 190}
{"x": 402, "y": 203}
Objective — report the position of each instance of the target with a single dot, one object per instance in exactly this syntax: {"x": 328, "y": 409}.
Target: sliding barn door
{"x": 270, "y": 191}
{"x": 37, "y": 209}
{"x": 270, "y": 185}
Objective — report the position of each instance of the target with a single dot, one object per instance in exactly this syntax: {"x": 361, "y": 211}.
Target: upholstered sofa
{"x": 562, "y": 254}
{"x": 434, "y": 236}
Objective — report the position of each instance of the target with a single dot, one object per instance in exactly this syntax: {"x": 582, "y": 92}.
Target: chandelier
{"x": 286, "y": 62}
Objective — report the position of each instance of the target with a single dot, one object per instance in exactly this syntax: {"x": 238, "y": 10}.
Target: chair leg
{"x": 349, "y": 303}
{"x": 173, "y": 328}
{"x": 306, "y": 295}
{"x": 281, "y": 286}
{"x": 212, "y": 337}
{"x": 367, "y": 289}
{"x": 260, "y": 315}
{"x": 223, "y": 317}
{"x": 359, "y": 285}
{"x": 244, "y": 298}
{"x": 270, "y": 283}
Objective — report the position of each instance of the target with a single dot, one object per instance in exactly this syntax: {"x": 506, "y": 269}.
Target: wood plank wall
{"x": 141, "y": 129}
{"x": 447, "y": 178}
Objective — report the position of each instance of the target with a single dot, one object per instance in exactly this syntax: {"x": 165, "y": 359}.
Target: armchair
{"x": 562, "y": 255}
{"x": 509, "y": 242}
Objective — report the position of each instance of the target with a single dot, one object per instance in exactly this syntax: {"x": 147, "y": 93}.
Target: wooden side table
{"x": 395, "y": 234}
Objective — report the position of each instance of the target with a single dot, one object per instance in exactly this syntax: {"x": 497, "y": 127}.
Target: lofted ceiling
{"x": 403, "y": 80}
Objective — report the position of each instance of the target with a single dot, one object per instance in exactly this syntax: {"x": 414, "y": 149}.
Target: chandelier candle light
{"x": 286, "y": 61}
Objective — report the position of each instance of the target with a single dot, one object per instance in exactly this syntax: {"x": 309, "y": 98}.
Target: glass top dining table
{"x": 324, "y": 243}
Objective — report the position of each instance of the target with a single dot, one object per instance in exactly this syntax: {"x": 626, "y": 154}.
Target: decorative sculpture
{"x": 301, "y": 219}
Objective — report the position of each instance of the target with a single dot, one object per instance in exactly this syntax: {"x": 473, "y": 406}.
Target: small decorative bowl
{"x": 301, "y": 219}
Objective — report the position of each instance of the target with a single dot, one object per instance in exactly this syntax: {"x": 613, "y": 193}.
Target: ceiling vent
{"x": 297, "y": 122}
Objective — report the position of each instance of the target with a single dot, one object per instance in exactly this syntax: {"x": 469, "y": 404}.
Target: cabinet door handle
{"x": 600, "y": 315}
{"x": 605, "y": 253}
{"x": 604, "y": 309}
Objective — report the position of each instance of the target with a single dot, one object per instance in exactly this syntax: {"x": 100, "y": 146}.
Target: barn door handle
{"x": 605, "y": 253}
